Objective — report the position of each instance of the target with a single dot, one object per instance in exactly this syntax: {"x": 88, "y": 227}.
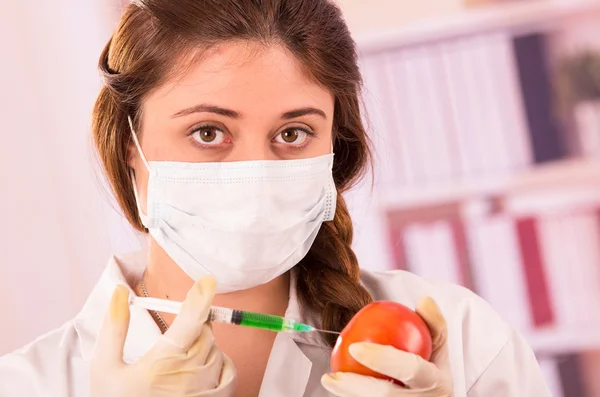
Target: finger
{"x": 205, "y": 376}
{"x": 430, "y": 312}
{"x": 346, "y": 384}
{"x": 172, "y": 372}
{"x": 111, "y": 339}
{"x": 211, "y": 371}
{"x": 227, "y": 380}
{"x": 196, "y": 354}
{"x": 200, "y": 349}
{"x": 408, "y": 368}
{"x": 187, "y": 326}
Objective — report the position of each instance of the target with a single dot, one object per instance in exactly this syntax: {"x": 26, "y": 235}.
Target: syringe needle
{"x": 325, "y": 331}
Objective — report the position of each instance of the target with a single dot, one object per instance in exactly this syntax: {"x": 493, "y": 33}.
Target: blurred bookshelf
{"x": 483, "y": 180}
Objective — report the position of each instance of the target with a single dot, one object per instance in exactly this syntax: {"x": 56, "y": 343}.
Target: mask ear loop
{"x": 143, "y": 217}
{"x": 333, "y": 189}
{"x": 333, "y": 154}
{"x": 137, "y": 143}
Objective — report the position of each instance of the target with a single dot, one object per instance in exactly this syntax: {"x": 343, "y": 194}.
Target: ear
{"x": 132, "y": 154}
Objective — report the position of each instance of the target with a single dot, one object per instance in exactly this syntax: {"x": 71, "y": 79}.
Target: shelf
{"x": 580, "y": 178}
{"x": 514, "y": 17}
{"x": 554, "y": 201}
{"x": 407, "y": 197}
{"x": 552, "y": 341}
{"x": 567, "y": 173}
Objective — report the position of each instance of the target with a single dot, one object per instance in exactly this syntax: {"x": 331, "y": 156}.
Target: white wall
{"x": 53, "y": 240}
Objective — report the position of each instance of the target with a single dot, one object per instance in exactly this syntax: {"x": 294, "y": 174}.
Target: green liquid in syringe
{"x": 262, "y": 321}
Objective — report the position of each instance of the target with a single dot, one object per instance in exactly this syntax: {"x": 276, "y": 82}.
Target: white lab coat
{"x": 488, "y": 358}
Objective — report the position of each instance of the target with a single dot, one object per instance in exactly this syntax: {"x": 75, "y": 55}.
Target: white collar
{"x": 143, "y": 333}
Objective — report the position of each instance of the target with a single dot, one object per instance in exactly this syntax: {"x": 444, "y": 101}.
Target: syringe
{"x": 230, "y": 316}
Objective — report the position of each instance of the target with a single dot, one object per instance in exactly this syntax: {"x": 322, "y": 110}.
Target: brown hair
{"x": 155, "y": 35}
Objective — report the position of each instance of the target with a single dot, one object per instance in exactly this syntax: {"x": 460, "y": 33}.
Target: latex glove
{"x": 184, "y": 362}
{"x": 420, "y": 377}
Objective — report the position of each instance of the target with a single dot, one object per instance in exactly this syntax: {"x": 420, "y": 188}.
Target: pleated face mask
{"x": 244, "y": 222}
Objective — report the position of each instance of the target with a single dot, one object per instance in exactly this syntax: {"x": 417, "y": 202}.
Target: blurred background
{"x": 485, "y": 116}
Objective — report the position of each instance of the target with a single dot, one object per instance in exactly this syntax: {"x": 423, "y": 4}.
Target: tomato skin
{"x": 384, "y": 323}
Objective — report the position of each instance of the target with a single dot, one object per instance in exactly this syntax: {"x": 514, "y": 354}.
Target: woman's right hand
{"x": 184, "y": 362}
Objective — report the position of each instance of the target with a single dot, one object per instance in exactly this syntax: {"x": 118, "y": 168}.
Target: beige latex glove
{"x": 184, "y": 362}
{"x": 421, "y": 378}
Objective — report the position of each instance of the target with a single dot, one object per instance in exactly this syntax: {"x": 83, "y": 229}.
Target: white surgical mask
{"x": 244, "y": 222}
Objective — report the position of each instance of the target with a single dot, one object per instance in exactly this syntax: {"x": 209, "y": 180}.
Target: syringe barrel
{"x": 222, "y": 315}
{"x": 262, "y": 321}
{"x": 159, "y": 305}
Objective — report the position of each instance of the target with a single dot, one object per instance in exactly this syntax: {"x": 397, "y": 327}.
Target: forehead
{"x": 246, "y": 77}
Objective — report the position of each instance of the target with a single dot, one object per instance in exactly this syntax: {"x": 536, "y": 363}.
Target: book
{"x": 571, "y": 251}
{"x": 510, "y": 101}
{"x": 497, "y": 268}
{"x": 462, "y": 105}
{"x": 428, "y": 130}
{"x": 430, "y": 251}
{"x": 536, "y": 86}
{"x": 570, "y": 373}
{"x": 534, "y": 265}
{"x": 379, "y": 119}
{"x": 396, "y": 221}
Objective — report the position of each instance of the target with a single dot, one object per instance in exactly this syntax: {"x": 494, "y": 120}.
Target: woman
{"x": 217, "y": 127}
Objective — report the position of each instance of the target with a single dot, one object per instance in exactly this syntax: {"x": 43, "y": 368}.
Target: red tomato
{"x": 384, "y": 323}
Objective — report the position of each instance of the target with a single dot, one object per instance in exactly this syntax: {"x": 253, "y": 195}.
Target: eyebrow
{"x": 303, "y": 112}
{"x": 207, "y": 108}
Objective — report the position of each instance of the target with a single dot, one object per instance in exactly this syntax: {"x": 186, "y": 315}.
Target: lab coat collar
{"x": 288, "y": 369}
{"x": 286, "y": 356}
{"x": 143, "y": 331}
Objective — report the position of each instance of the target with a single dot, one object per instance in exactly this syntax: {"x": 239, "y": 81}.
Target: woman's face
{"x": 240, "y": 101}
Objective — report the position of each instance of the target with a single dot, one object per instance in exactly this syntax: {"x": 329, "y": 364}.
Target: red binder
{"x": 537, "y": 285}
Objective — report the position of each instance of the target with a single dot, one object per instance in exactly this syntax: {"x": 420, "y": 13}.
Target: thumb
{"x": 189, "y": 323}
{"x": 111, "y": 340}
{"x": 431, "y": 313}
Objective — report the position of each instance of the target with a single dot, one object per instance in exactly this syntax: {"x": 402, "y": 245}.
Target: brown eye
{"x": 289, "y": 136}
{"x": 294, "y": 136}
{"x": 209, "y": 135}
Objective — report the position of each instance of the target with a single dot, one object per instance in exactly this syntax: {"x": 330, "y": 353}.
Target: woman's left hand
{"x": 421, "y": 378}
